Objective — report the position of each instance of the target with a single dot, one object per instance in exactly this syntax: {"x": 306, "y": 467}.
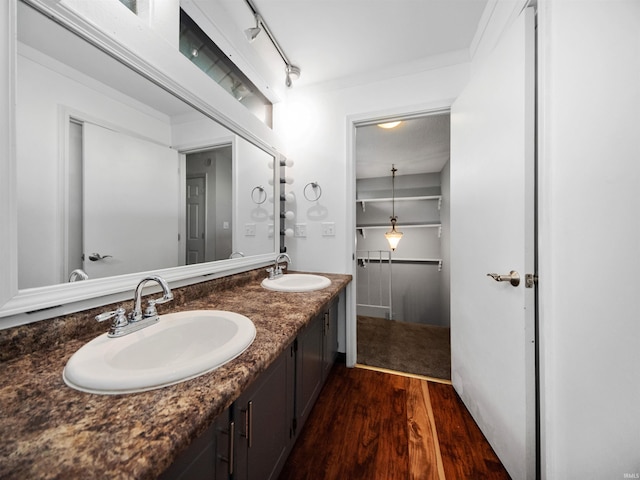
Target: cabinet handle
{"x": 230, "y": 451}
{"x": 232, "y": 434}
{"x": 250, "y": 424}
{"x": 327, "y": 323}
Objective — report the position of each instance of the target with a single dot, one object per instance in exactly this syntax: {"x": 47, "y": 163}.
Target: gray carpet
{"x": 405, "y": 347}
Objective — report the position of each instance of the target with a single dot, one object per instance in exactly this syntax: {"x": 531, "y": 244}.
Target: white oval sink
{"x": 297, "y": 282}
{"x": 180, "y": 346}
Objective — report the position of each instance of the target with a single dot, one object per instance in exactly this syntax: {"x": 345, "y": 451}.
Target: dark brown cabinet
{"x": 264, "y": 418}
{"x": 253, "y": 437}
{"x": 208, "y": 456}
{"x": 317, "y": 347}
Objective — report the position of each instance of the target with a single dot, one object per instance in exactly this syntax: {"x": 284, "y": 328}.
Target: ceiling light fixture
{"x": 389, "y": 124}
{"x": 393, "y": 236}
{"x": 292, "y": 72}
{"x": 253, "y": 32}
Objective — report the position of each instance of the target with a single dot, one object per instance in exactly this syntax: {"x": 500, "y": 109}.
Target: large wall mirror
{"x": 117, "y": 176}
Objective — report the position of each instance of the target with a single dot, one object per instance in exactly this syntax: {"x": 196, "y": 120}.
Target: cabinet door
{"x": 207, "y": 457}
{"x": 309, "y": 368}
{"x": 263, "y": 417}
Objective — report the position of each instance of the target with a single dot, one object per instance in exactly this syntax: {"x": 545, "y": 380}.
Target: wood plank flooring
{"x": 374, "y": 425}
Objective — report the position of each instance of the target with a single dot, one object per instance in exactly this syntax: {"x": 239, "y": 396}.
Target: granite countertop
{"x": 48, "y": 430}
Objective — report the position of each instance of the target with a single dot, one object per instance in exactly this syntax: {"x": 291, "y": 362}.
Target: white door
{"x": 196, "y": 219}
{"x": 492, "y": 231}
{"x": 130, "y": 220}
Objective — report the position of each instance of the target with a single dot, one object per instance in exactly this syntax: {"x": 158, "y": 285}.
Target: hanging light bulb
{"x": 393, "y": 236}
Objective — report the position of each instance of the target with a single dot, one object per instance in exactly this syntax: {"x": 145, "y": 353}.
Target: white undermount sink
{"x": 180, "y": 346}
{"x": 296, "y": 282}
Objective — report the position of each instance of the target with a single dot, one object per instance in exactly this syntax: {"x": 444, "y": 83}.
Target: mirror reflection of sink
{"x": 181, "y": 346}
{"x": 296, "y": 282}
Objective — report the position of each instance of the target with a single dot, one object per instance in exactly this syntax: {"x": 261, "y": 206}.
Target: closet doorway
{"x": 402, "y": 296}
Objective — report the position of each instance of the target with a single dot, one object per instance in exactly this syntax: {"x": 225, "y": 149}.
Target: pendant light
{"x": 393, "y": 236}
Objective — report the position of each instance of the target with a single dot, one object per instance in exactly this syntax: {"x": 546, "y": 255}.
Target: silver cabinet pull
{"x": 230, "y": 447}
{"x": 248, "y": 423}
{"x": 250, "y": 426}
{"x": 232, "y": 432}
{"x": 513, "y": 278}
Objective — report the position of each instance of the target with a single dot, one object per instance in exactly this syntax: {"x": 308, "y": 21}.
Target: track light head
{"x": 253, "y": 32}
{"x": 292, "y": 73}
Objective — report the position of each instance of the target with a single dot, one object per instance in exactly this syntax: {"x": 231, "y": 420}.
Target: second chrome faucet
{"x": 277, "y": 271}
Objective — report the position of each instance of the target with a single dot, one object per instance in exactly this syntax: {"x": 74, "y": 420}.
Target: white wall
{"x": 314, "y": 125}
{"x": 253, "y": 231}
{"x": 590, "y": 238}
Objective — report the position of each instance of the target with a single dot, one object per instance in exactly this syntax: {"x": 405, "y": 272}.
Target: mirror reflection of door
{"x": 131, "y": 221}
{"x": 209, "y": 204}
{"x": 196, "y": 218}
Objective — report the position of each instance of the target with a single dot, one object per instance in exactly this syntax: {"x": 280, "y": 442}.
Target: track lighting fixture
{"x": 292, "y": 73}
{"x": 253, "y": 32}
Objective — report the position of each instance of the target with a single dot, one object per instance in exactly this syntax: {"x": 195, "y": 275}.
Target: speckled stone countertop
{"x": 48, "y": 430}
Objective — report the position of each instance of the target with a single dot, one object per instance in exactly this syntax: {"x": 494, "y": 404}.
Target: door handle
{"x": 513, "y": 278}
{"x": 94, "y": 257}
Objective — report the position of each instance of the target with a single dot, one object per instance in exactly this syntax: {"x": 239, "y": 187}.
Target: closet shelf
{"x": 399, "y": 226}
{"x": 364, "y": 201}
{"x": 437, "y": 261}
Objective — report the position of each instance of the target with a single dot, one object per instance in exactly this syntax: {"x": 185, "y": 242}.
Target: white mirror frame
{"x": 155, "y": 62}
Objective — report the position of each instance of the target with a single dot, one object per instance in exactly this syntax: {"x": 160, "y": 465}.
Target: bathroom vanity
{"x": 242, "y": 418}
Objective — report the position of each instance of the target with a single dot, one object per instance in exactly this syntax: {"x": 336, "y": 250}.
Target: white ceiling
{"x": 337, "y": 39}
{"x": 417, "y": 145}
{"x": 351, "y": 41}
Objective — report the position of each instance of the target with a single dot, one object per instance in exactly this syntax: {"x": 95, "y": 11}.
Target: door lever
{"x": 513, "y": 278}
{"x": 94, "y": 257}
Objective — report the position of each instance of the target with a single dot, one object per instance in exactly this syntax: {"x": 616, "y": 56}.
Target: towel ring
{"x": 314, "y": 186}
{"x": 260, "y": 190}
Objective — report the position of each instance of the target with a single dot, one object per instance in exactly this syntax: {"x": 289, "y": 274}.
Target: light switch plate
{"x": 300, "y": 230}
{"x": 249, "y": 229}
{"x": 328, "y": 229}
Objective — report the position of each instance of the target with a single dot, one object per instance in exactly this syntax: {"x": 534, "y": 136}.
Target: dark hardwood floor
{"x": 373, "y": 425}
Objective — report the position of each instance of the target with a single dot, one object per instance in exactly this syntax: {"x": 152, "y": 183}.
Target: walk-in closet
{"x": 403, "y": 295}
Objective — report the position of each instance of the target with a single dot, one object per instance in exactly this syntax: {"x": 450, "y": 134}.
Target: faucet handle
{"x": 119, "y": 314}
{"x": 167, "y": 297}
{"x": 150, "y": 311}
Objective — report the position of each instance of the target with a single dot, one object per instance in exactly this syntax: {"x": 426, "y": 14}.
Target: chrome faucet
{"x": 77, "y": 275}
{"x": 276, "y": 270}
{"x": 124, "y": 324}
{"x": 150, "y": 311}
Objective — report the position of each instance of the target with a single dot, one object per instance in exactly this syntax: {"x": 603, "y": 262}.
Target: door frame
{"x": 353, "y": 121}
